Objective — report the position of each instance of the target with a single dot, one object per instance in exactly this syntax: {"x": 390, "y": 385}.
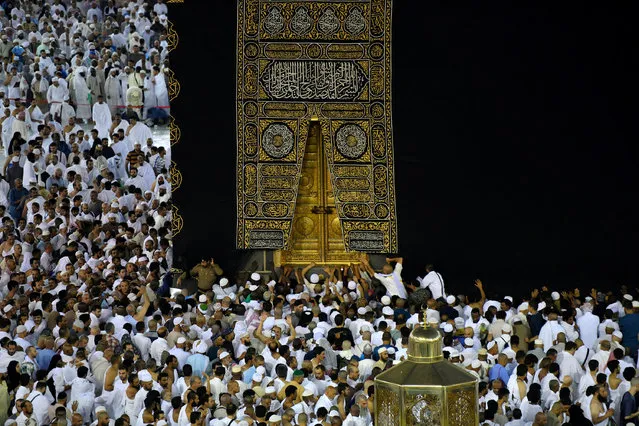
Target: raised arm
{"x": 258, "y": 332}
{"x": 139, "y": 316}
{"x": 307, "y": 268}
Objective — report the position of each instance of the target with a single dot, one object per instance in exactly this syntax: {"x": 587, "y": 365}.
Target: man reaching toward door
{"x": 390, "y": 277}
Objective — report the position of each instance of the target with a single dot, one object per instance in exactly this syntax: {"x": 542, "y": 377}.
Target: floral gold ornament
{"x": 172, "y": 37}
{"x": 176, "y": 221}
{"x": 173, "y": 84}
{"x": 174, "y": 131}
{"x": 175, "y": 176}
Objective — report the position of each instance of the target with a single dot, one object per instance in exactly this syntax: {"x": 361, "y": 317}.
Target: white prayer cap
{"x": 255, "y": 276}
{"x": 131, "y": 297}
{"x": 334, "y": 413}
{"x": 635, "y": 304}
{"x": 15, "y": 159}
{"x": 269, "y": 389}
{"x": 274, "y": 419}
{"x": 201, "y": 347}
{"x": 450, "y": 299}
{"x": 627, "y": 297}
{"x": 555, "y": 295}
{"x": 257, "y": 377}
{"x": 352, "y": 285}
{"x": 21, "y": 329}
{"x": 181, "y": 340}
{"x": 391, "y": 351}
{"x": 523, "y": 307}
{"x": 361, "y": 311}
{"x": 618, "y": 334}
{"x": 509, "y": 298}
{"x": 476, "y": 363}
{"x": 66, "y": 358}
{"x": 539, "y": 342}
{"x": 506, "y": 337}
{"x": 448, "y": 328}
{"x": 387, "y": 310}
{"x": 252, "y": 287}
{"x": 490, "y": 344}
{"x": 100, "y": 408}
{"x": 541, "y": 306}
{"x": 469, "y": 342}
{"x": 255, "y": 305}
{"x": 236, "y": 369}
{"x": 586, "y": 307}
{"x": 314, "y": 278}
{"x": 224, "y": 281}
{"x": 506, "y": 328}
{"x": 223, "y": 355}
{"x": 382, "y": 350}
{"x": 459, "y": 323}
{"x": 517, "y": 318}
{"x": 364, "y": 328}
{"x": 177, "y": 321}
{"x": 202, "y": 298}
{"x": 307, "y": 392}
{"x": 386, "y": 300}
{"x": 453, "y": 354}
{"x": 145, "y": 376}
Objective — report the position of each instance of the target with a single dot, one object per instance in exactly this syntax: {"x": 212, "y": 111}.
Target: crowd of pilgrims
{"x": 96, "y": 328}
{"x": 104, "y": 345}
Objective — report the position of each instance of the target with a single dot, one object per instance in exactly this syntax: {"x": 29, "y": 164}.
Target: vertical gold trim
{"x": 175, "y": 176}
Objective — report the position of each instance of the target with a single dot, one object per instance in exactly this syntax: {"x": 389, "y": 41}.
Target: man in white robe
{"x": 113, "y": 91}
{"x": 39, "y": 87}
{"x": 137, "y": 131}
{"x": 101, "y": 116}
{"x": 81, "y": 89}
{"x": 20, "y": 125}
{"x": 161, "y": 90}
{"x": 55, "y": 96}
{"x": 150, "y": 100}
{"x": 7, "y": 127}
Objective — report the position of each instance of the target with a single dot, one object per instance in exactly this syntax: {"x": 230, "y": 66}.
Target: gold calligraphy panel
{"x": 300, "y": 62}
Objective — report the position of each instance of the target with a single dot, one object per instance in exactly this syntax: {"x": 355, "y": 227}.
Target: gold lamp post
{"x": 426, "y": 389}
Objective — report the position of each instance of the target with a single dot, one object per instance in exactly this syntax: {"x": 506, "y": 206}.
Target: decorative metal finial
{"x": 425, "y": 319}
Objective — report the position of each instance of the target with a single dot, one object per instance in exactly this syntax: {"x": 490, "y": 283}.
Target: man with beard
{"x": 599, "y": 414}
{"x": 242, "y": 346}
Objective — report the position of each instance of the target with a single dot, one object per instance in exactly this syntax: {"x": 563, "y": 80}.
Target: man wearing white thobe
{"x": 81, "y": 90}
{"x": 588, "y": 325}
{"x": 113, "y": 91}
{"x": 101, "y": 116}
{"x": 55, "y": 96}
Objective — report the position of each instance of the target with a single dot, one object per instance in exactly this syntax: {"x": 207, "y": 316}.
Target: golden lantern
{"x": 426, "y": 389}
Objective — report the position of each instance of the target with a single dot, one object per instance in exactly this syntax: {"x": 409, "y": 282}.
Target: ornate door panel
{"x": 317, "y": 233}
{"x": 327, "y": 62}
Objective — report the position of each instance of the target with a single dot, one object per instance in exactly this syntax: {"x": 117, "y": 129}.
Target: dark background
{"x": 515, "y": 141}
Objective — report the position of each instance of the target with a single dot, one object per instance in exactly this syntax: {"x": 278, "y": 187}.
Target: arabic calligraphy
{"x": 314, "y": 80}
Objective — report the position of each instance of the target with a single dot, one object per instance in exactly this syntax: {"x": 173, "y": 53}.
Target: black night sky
{"x": 515, "y": 141}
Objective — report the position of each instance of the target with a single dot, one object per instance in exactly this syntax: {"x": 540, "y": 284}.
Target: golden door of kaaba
{"x": 315, "y": 166}
{"x": 316, "y": 233}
